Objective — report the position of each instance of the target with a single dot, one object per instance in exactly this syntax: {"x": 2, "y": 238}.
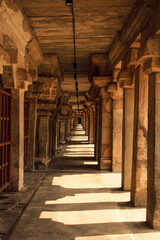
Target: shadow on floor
{"x": 82, "y": 206}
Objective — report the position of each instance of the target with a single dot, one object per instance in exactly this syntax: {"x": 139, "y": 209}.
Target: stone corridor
{"x": 80, "y": 119}
{"x": 77, "y": 202}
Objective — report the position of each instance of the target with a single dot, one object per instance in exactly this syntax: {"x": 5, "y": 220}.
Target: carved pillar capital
{"x": 149, "y": 49}
{"x": 125, "y": 78}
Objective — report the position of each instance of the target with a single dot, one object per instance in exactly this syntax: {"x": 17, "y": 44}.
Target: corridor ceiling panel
{"x": 96, "y": 24}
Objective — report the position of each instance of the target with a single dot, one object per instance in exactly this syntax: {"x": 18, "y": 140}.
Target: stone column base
{"x": 105, "y": 164}
{"x": 117, "y": 167}
{"x": 42, "y": 163}
{"x": 91, "y": 141}
{"x": 62, "y": 142}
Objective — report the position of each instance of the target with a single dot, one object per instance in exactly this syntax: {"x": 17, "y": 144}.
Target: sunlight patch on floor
{"x": 90, "y": 163}
{"x": 109, "y": 180}
{"x": 106, "y": 237}
{"x": 78, "y": 155}
{"x": 78, "y": 138}
{"x": 77, "y": 146}
{"x": 132, "y": 236}
{"x": 91, "y": 198}
{"x": 80, "y": 149}
{"x": 79, "y": 132}
{"x": 95, "y": 216}
{"x": 83, "y": 150}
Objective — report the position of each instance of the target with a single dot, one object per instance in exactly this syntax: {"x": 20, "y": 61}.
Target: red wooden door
{"x": 5, "y": 138}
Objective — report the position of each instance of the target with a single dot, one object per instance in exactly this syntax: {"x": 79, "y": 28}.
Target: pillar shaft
{"x": 91, "y": 125}
{"x": 105, "y": 143}
{"x": 68, "y": 126}
{"x": 97, "y": 132}
{"x": 127, "y": 137}
{"x": 52, "y": 137}
{"x": 44, "y": 130}
{"x": 117, "y": 135}
{"x": 17, "y": 140}
{"x": 56, "y": 134}
{"x": 139, "y": 167}
{"x": 62, "y": 132}
{"x": 72, "y": 123}
{"x": 87, "y": 123}
{"x": 84, "y": 122}
{"x": 153, "y": 170}
{"x": 32, "y": 134}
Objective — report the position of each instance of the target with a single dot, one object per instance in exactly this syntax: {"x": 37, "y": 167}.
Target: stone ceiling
{"x": 96, "y": 24}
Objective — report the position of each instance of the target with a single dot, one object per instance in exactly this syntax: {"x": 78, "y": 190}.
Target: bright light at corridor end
{"x": 69, "y": 2}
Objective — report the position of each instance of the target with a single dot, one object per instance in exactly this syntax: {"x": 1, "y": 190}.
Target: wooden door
{"x": 5, "y": 138}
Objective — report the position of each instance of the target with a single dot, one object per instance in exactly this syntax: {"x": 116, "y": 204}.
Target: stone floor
{"x": 78, "y": 203}
{"x": 12, "y": 204}
{"x": 75, "y": 201}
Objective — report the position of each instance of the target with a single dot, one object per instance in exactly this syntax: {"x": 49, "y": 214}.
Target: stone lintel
{"x": 102, "y": 81}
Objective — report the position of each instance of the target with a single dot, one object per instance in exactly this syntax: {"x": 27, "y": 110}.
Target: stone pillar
{"x": 87, "y": 122}
{"x": 97, "y": 129}
{"x": 32, "y": 134}
{"x": 57, "y": 134}
{"x": 52, "y": 136}
{"x": 44, "y": 132}
{"x": 105, "y": 144}
{"x": 17, "y": 140}
{"x": 72, "y": 123}
{"x": 126, "y": 82}
{"x": 149, "y": 55}
{"x": 62, "y": 131}
{"x": 94, "y": 122}
{"x": 105, "y": 124}
{"x": 139, "y": 167}
{"x": 117, "y": 120}
{"x": 68, "y": 126}
{"x": 91, "y": 121}
{"x": 83, "y": 121}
